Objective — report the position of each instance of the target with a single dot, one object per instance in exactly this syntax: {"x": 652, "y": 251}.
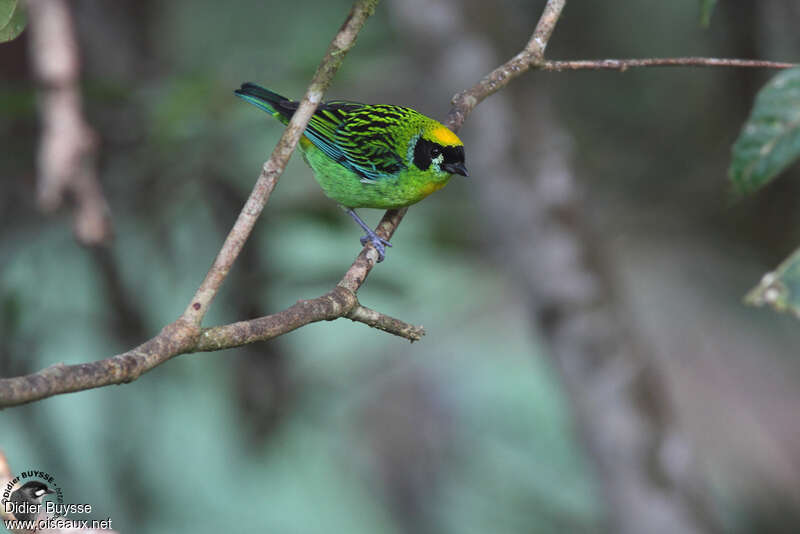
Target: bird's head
{"x": 34, "y": 491}
{"x": 439, "y": 150}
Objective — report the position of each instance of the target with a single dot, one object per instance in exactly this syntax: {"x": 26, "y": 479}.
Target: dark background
{"x": 341, "y": 428}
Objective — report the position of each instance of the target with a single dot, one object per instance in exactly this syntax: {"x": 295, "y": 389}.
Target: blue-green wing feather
{"x": 366, "y": 137}
{"x": 369, "y": 152}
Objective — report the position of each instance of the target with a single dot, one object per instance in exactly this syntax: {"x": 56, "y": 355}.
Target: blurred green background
{"x": 340, "y": 428}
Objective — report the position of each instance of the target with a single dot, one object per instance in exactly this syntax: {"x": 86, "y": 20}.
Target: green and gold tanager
{"x": 370, "y": 156}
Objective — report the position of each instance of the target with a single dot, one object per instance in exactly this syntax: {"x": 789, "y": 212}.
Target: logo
{"x": 24, "y": 495}
{"x": 33, "y": 500}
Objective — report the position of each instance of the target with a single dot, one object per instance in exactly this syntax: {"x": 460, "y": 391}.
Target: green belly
{"x": 345, "y": 187}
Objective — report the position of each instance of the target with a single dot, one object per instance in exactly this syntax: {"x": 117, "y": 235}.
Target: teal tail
{"x": 279, "y": 107}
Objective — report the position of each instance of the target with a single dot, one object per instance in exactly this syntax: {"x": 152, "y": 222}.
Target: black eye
{"x": 435, "y": 151}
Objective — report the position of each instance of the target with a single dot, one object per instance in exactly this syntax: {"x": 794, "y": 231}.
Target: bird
{"x": 28, "y": 499}
{"x": 370, "y": 156}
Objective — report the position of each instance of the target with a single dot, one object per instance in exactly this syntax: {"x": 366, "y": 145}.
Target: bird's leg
{"x": 379, "y": 243}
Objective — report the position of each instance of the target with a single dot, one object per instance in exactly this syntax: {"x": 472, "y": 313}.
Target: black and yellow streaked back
{"x": 372, "y": 141}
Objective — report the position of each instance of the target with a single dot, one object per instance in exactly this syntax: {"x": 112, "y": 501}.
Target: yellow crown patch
{"x": 442, "y": 135}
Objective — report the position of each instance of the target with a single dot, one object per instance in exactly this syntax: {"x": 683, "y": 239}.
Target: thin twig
{"x": 383, "y": 322}
{"x": 624, "y": 64}
{"x": 533, "y": 54}
{"x": 330, "y": 306}
{"x": 335, "y": 304}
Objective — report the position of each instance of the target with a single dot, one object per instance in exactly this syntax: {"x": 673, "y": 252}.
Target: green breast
{"x": 345, "y": 187}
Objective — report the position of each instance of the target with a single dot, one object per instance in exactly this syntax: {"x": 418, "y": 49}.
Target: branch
{"x": 624, "y": 64}
{"x": 273, "y": 168}
{"x": 330, "y": 306}
{"x": 68, "y": 148}
{"x": 182, "y": 337}
{"x": 185, "y": 335}
{"x": 383, "y": 322}
{"x": 462, "y": 105}
{"x": 315, "y": 310}
{"x": 532, "y": 55}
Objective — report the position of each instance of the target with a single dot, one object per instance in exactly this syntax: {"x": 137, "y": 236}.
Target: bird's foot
{"x": 378, "y": 242}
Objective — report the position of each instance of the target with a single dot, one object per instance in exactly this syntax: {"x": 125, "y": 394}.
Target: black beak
{"x": 456, "y": 168}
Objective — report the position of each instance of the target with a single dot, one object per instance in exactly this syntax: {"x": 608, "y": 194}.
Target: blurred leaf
{"x": 12, "y": 20}
{"x": 780, "y": 288}
{"x": 770, "y": 139}
{"x": 706, "y": 10}
{"x": 7, "y": 8}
